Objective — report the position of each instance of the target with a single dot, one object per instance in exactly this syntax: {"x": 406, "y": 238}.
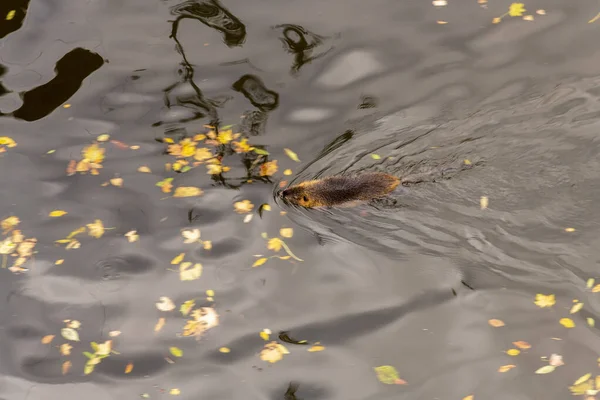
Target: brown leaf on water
{"x": 47, "y": 339}
{"x": 128, "y": 368}
{"x": 496, "y": 323}
{"x": 506, "y": 368}
{"x": 522, "y": 345}
{"x": 66, "y": 367}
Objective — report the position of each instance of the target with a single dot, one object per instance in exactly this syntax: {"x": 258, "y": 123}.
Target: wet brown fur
{"x": 341, "y": 190}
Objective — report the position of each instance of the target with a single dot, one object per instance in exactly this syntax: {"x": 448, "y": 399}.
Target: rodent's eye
{"x": 305, "y": 198}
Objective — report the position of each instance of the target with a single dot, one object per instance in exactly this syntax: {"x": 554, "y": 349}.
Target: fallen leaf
{"x": 165, "y": 304}
{"x": 57, "y": 213}
{"x": 47, "y": 339}
{"x": 590, "y": 283}
{"x": 576, "y": 307}
{"x": 567, "y": 322}
{"x": 541, "y": 12}
{"x": 484, "y": 202}
{"x": 207, "y": 244}
{"x": 243, "y": 207}
{"x": 582, "y": 379}
{"x": 556, "y": 360}
{"x": 591, "y": 322}
{"x": 375, "y": 156}
{"x": 542, "y": 300}
{"x": 248, "y": 218}
{"x": 66, "y": 367}
{"x": 569, "y": 229}
{"x": 191, "y": 235}
{"x": 387, "y": 374}
{"x": 9, "y": 224}
{"x": 187, "y": 306}
{"x": 440, "y": 22}
{"x": 65, "y": 349}
{"x": 74, "y": 324}
{"x": 175, "y": 392}
{"x": 10, "y": 15}
{"x": 496, "y": 323}
{"x": 528, "y": 18}
{"x": 545, "y": 369}
{"x": 506, "y": 368}
{"x": 268, "y": 168}
{"x": 516, "y": 10}
{"x": 128, "y": 368}
{"x": 118, "y": 182}
{"x": 522, "y": 345}
{"x": 144, "y": 169}
{"x": 187, "y": 191}
{"x": 96, "y": 229}
{"x": 291, "y": 155}
{"x": 264, "y": 334}
{"x": 103, "y": 138}
{"x": 59, "y": 262}
{"x": 513, "y": 352}
{"x": 287, "y": 172}
{"x": 70, "y": 334}
{"x": 286, "y": 232}
{"x": 274, "y": 244}
{"x": 471, "y": 397}
{"x": 273, "y": 352}
{"x": 114, "y": 333}
{"x": 224, "y": 350}
{"x": 496, "y": 20}
{"x": 175, "y": 351}
{"x": 178, "y": 259}
{"x": 259, "y": 262}
{"x": 187, "y": 272}
{"x": 596, "y": 288}
{"x": 315, "y": 348}
{"x": 159, "y": 325}
{"x": 439, "y": 3}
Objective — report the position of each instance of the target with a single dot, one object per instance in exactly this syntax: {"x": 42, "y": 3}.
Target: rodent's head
{"x": 300, "y": 195}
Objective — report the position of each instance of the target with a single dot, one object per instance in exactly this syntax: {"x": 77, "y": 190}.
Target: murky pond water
{"x": 145, "y": 253}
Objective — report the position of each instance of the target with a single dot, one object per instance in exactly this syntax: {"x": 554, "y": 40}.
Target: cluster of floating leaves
{"x": 6, "y": 142}
{"x": 95, "y": 229}
{"x": 275, "y": 244}
{"x": 15, "y": 245}
{"x": 99, "y": 351}
{"x": 201, "y": 318}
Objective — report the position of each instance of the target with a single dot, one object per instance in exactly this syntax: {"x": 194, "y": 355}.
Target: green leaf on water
{"x": 261, "y": 152}
{"x": 177, "y": 352}
{"x": 88, "y": 355}
{"x": 387, "y": 374}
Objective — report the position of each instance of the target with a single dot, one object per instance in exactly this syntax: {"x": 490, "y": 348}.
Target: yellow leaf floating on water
{"x": 8, "y": 224}
{"x": 496, "y": 323}
{"x": 225, "y": 350}
{"x": 471, "y": 397}
{"x": 516, "y": 10}
{"x": 96, "y": 229}
{"x": 178, "y": 259}
{"x": 114, "y": 333}
{"x": 175, "y": 351}
{"x": 484, "y": 202}
{"x": 128, "y": 368}
{"x": 513, "y": 352}
{"x": 542, "y": 300}
{"x": 10, "y": 15}
{"x": 144, "y": 169}
{"x": 274, "y": 244}
{"x": 65, "y": 349}
{"x": 291, "y": 155}
{"x": 132, "y": 236}
{"x": 268, "y": 168}
{"x": 191, "y": 235}
{"x": 556, "y": 360}
{"x": 545, "y": 369}
{"x": 506, "y": 368}
{"x": 187, "y": 272}
{"x": 159, "y": 325}
{"x": 93, "y": 154}
{"x": 522, "y": 345}
{"x": 103, "y": 138}
{"x": 47, "y": 339}
{"x": 567, "y": 322}
{"x": 207, "y": 245}
{"x": 286, "y": 232}
{"x": 387, "y": 374}
{"x": 316, "y": 347}
{"x": 528, "y": 18}
{"x": 6, "y": 141}
{"x": 591, "y": 322}
{"x": 57, "y": 213}
{"x": 287, "y": 172}
{"x": 187, "y": 191}
{"x": 264, "y": 334}
{"x": 118, "y": 182}
{"x": 596, "y": 288}
{"x": 175, "y": 392}
{"x": 582, "y": 379}
{"x": 243, "y": 207}
{"x": 259, "y": 262}
{"x": 273, "y": 352}
{"x": 375, "y": 156}
{"x": 576, "y": 307}
{"x": 187, "y": 306}
{"x": 590, "y": 283}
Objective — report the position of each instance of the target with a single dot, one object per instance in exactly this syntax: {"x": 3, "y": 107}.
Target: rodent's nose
{"x": 284, "y": 193}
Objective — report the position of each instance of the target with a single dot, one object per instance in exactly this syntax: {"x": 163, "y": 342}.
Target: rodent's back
{"x": 336, "y": 190}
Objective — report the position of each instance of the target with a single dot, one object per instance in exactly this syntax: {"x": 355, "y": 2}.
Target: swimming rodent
{"x": 340, "y": 190}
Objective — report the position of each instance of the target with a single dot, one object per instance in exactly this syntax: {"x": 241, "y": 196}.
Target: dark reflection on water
{"x": 466, "y": 110}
